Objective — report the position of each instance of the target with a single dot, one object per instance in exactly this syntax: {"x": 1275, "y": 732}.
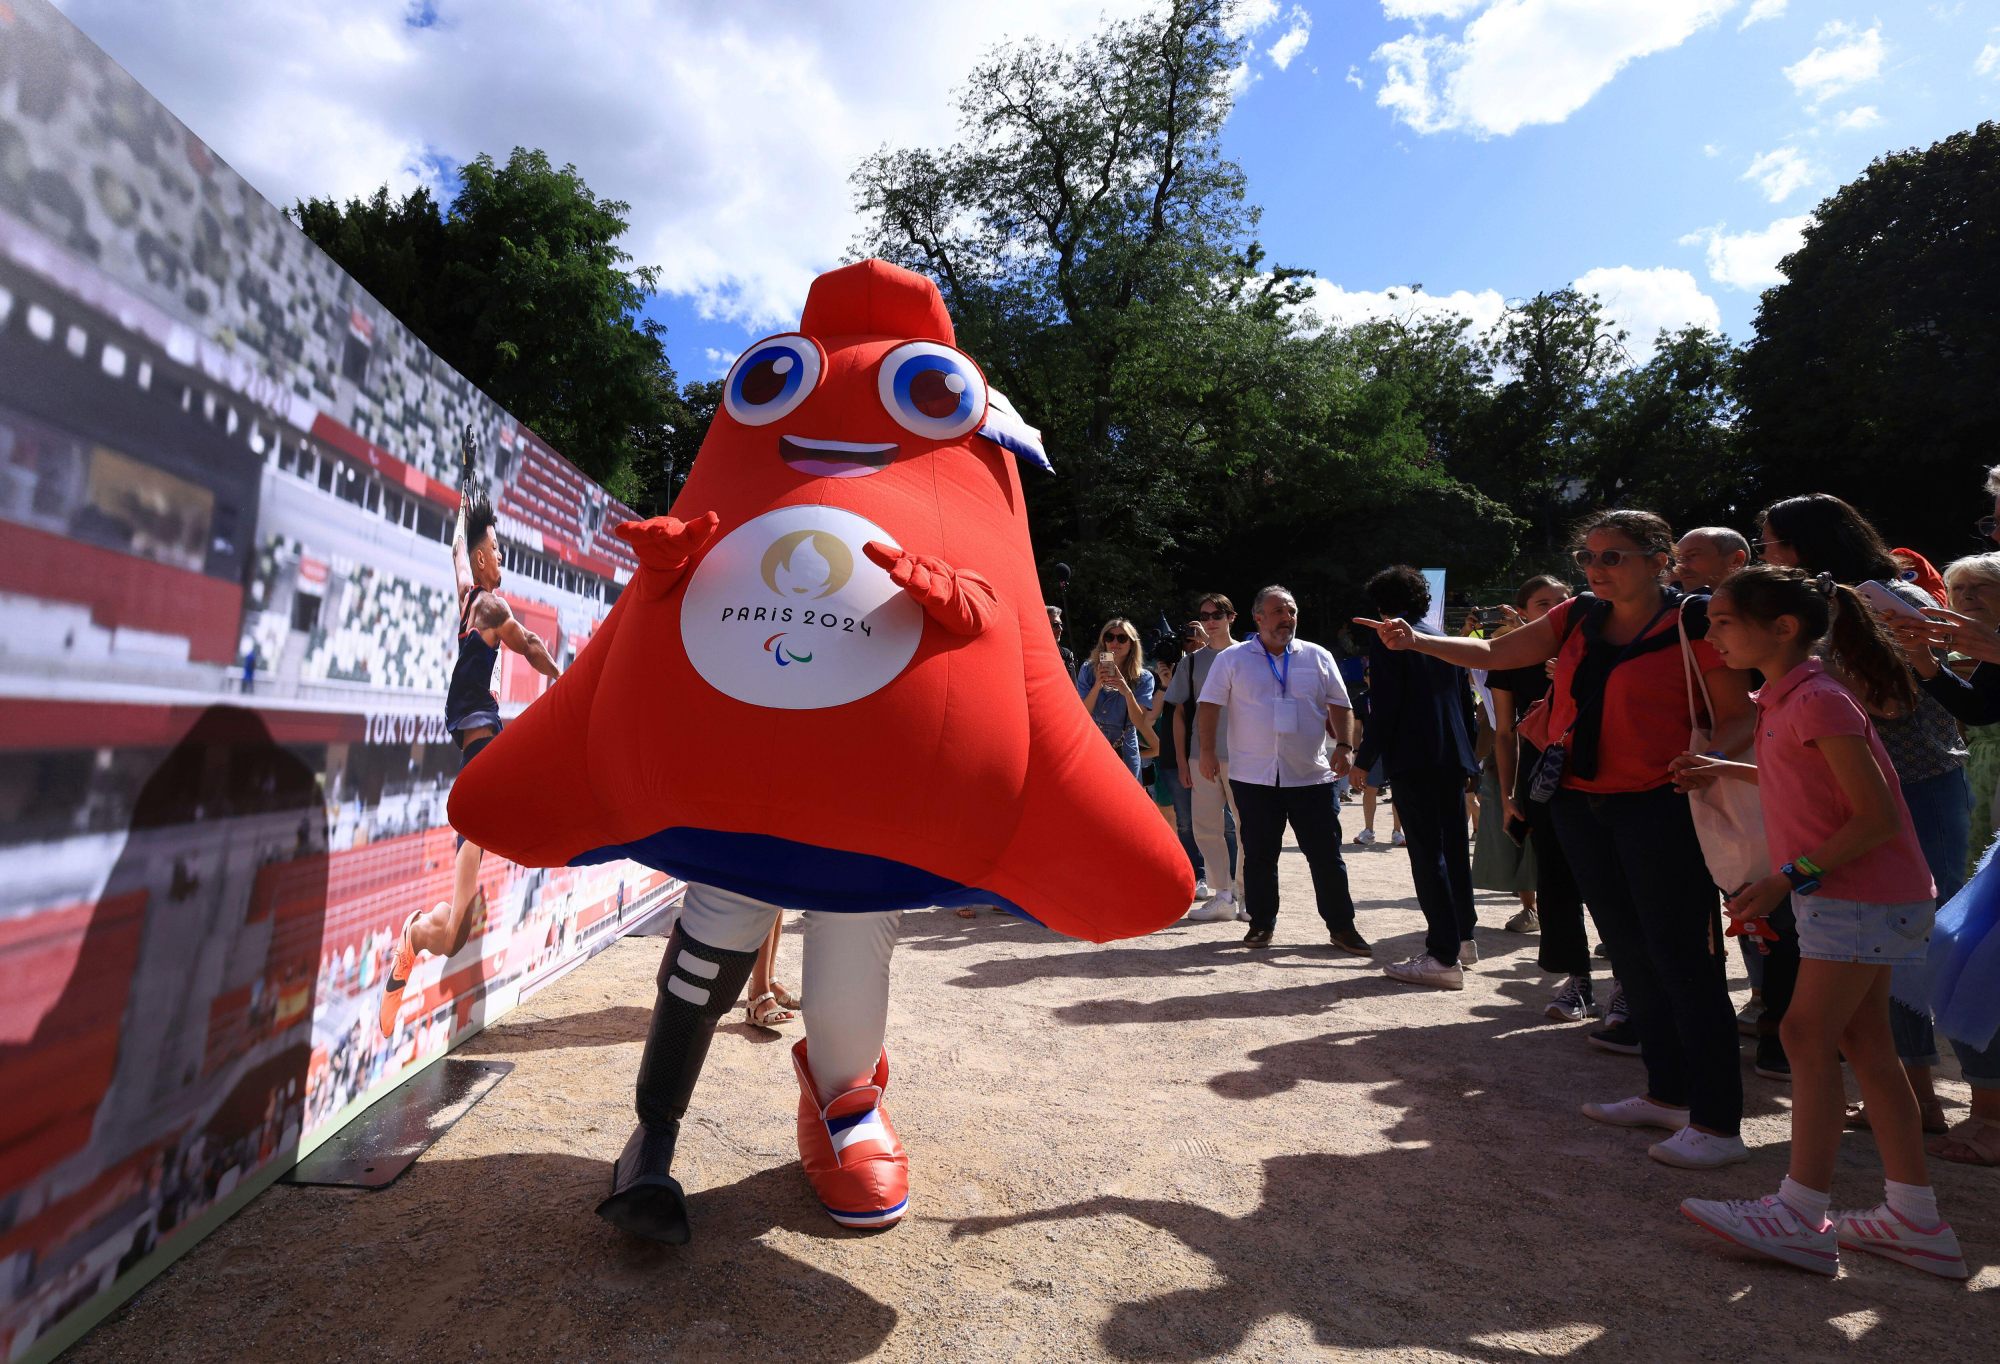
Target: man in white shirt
{"x": 1285, "y": 698}
{"x": 1209, "y": 796}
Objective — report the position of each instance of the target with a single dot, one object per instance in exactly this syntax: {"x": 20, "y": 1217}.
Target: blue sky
{"x": 1661, "y": 152}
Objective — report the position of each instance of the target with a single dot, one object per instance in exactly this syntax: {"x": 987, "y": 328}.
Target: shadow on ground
{"x": 533, "y": 1274}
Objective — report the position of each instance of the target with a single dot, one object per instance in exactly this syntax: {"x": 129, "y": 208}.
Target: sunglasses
{"x": 1761, "y": 546}
{"x": 1985, "y": 526}
{"x": 1213, "y": 615}
{"x": 1117, "y": 639}
{"x": 1610, "y": 558}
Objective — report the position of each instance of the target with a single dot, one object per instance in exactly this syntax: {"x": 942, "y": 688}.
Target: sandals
{"x": 1931, "y": 1110}
{"x": 1975, "y": 1141}
{"x": 769, "y": 1019}
{"x": 786, "y": 999}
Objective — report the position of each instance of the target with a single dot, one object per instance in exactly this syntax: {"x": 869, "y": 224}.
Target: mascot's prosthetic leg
{"x": 829, "y": 686}
{"x": 698, "y": 985}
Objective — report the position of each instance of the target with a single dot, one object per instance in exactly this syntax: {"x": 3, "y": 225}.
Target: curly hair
{"x": 1399, "y": 590}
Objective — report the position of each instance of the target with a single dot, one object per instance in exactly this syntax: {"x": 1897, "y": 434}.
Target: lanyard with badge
{"x": 1285, "y": 715}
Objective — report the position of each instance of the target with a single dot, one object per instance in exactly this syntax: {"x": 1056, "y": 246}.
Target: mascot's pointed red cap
{"x": 875, "y": 298}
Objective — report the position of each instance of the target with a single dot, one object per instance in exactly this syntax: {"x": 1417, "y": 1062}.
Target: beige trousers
{"x": 1211, "y": 798}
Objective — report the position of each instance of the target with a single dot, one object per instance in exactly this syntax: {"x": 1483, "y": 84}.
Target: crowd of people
{"x": 1812, "y": 705}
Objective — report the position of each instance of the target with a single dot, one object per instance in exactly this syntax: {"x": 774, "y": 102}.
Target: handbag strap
{"x": 1693, "y": 675}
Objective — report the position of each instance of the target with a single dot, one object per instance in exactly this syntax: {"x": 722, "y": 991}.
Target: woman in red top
{"x": 1618, "y": 712}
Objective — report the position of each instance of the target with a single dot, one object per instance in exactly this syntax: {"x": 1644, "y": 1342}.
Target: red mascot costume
{"x": 831, "y": 687}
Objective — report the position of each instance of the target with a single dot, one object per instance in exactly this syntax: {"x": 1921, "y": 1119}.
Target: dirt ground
{"x": 1171, "y": 1148}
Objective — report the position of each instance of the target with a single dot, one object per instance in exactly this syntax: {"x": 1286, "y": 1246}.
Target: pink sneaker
{"x": 1770, "y": 1227}
{"x": 1883, "y": 1231}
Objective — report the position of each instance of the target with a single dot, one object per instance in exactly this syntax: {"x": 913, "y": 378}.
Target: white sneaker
{"x": 1396, "y": 840}
{"x": 1692, "y": 1150}
{"x": 1770, "y": 1227}
{"x": 1424, "y": 969}
{"x": 1365, "y": 838}
{"x": 1638, "y": 1111}
{"x": 1527, "y": 921}
{"x": 1883, "y": 1231}
{"x": 1468, "y": 953}
{"x": 1211, "y": 911}
{"x": 1201, "y": 891}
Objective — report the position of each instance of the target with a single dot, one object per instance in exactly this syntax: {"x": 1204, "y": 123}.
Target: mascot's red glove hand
{"x": 958, "y": 599}
{"x": 664, "y": 545}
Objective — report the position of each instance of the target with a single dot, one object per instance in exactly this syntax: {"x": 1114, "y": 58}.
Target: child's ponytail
{"x": 1867, "y": 654}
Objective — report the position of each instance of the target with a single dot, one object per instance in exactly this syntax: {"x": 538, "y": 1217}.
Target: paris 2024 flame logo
{"x": 792, "y": 588}
{"x": 810, "y": 564}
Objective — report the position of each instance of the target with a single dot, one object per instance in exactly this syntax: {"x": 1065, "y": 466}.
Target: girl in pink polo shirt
{"x": 1844, "y": 851}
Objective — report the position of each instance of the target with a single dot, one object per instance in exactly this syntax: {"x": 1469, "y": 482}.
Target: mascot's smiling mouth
{"x": 835, "y": 458}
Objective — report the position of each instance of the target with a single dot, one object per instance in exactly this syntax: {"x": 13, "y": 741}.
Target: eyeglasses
{"x": 1213, "y": 615}
{"x": 1610, "y": 558}
{"x": 1761, "y": 546}
{"x": 1985, "y": 526}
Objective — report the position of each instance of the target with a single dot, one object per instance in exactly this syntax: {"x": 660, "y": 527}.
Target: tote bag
{"x": 1728, "y": 819}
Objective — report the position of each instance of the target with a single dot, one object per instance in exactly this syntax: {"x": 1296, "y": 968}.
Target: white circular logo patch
{"x": 787, "y": 612}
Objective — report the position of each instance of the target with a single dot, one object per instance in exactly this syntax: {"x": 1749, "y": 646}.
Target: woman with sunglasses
{"x": 1117, "y": 689}
{"x": 1618, "y": 714}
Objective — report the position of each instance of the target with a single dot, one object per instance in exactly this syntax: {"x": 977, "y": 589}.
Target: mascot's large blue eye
{"x": 772, "y": 378}
{"x": 932, "y": 390}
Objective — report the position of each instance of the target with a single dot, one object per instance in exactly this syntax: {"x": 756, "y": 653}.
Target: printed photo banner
{"x": 227, "y": 487}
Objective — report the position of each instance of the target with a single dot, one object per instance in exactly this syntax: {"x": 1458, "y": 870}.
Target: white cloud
{"x": 1240, "y": 78}
{"x": 1353, "y": 78}
{"x": 1749, "y": 260}
{"x": 1344, "y": 307}
{"x": 1428, "y": 9}
{"x": 1523, "y": 62}
{"x": 1709, "y": 149}
{"x": 1293, "y": 41}
{"x": 1646, "y": 302}
{"x": 1249, "y": 16}
{"x": 730, "y": 130}
{"x": 1781, "y": 174}
{"x": 1866, "y": 116}
{"x": 1760, "y": 10}
{"x": 1844, "y": 58}
{"x": 719, "y": 361}
{"x": 1988, "y": 61}
{"x": 1642, "y": 301}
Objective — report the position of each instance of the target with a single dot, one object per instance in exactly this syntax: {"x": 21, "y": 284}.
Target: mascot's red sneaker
{"x": 851, "y": 1155}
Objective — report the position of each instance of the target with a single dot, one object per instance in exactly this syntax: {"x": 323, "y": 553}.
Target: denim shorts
{"x": 1873, "y": 934}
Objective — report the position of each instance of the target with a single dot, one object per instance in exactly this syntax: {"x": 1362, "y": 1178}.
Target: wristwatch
{"x": 1803, "y": 883}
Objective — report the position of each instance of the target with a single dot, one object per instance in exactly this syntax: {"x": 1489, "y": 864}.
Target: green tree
{"x": 522, "y": 287}
{"x": 1098, "y": 254}
{"x": 1875, "y": 370}
{"x": 1541, "y": 437}
{"x": 1667, "y": 434}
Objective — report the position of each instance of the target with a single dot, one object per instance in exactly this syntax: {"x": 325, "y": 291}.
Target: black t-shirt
{"x": 1527, "y": 685}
